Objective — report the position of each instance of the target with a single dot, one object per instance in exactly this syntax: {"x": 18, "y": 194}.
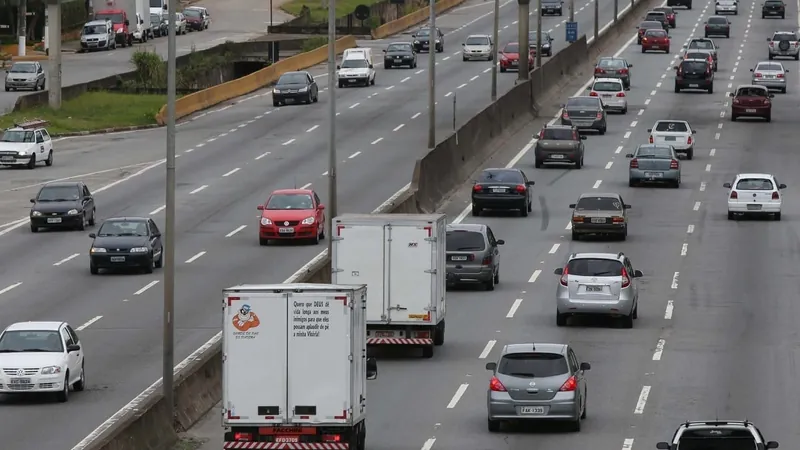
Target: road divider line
{"x": 487, "y": 349}
{"x": 199, "y": 189}
{"x": 569, "y": 225}
{"x": 354, "y": 105}
{"x": 618, "y": 150}
{"x": 263, "y": 155}
{"x": 377, "y": 140}
{"x": 399, "y": 126}
{"x": 88, "y": 323}
{"x": 668, "y": 311}
{"x": 457, "y": 396}
{"x": 640, "y": 404}
{"x": 690, "y": 229}
{"x": 554, "y": 249}
{"x": 306, "y": 186}
{"x": 231, "y": 172}
{"x": 238, "y": 229}
{"x": 659, "y": 350}
{"x": 9, "y": 288}
{"x": 68, "y": 258}
{"x": 146, "y": 287}
{"x": 703, "y": 183}
{"x": 609, "y": 164}
{"x": 289, "y": 141}
{"x": 428, "y": 445}
{"x": 597, "y": 184}
{"x": 354, "y": 155}
{"x": 696, "y": 206}
{"x": 708, "y": 167}
{"x": 514, "y": 308}
{"x": 675, "y": 280}
{"x": 195, "y": 257}
{"x": 534, "y": 276}
{"x": 684, "y": 249}
{"x": 627, "y": 444}
{"x": 158, "y": 210}
{"x": 312, "y": 129}
{"x": 415, "y": 115}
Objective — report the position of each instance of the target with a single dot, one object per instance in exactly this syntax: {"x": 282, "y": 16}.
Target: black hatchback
{"x": 502, "y": 189}
{"x": 65, "y": 205}
{"x": 295, "y": 87}
{"x": 694, "y": 74}
{"x": 126, "y": 243}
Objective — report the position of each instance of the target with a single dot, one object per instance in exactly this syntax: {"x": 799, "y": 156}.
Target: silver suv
{"x": 783, "y": 44}
{"x": 717, "y": 434}
{"x": 472, "y": 255}
{"x": 598, "y": 284}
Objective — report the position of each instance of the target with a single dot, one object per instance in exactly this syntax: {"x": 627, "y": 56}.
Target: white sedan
{"x": 754, "y": 194}
{"x": 677, "y": 133}
{"x": 180, "y": 24}
{"x": 41, "y": 357}
{"x": 726, "y": 7}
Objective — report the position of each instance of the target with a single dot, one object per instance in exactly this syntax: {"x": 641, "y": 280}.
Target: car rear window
{"x": 654, "y": 152}
{"x": 666, "y": 10}
{"x": 694, "y": 66}
{"x": 656, "y": 33}
{"x": 717, "y": 439}
{"x": 594, "y": 267}
{"x": 702, "y": 44}
{"x": 463, "y": 241}
{"x": 607, "y": 86}
{"x": 773, "y": 2}
{"x": 755, "y": 184}
{"x": 611, "y": 63}
{"x": 675, "y": 127}
{"x": 784, "y": 37}
{"x": 752, "y": 91}
{"x": 697, "y": 55}
{"x": 598, "y": 204}
{"x": 655, "y": 16}
{"x": 583, "y": 102}
{"x": 531, "y": 365}
{"x": 770, "y": 66}
{"x": 717, "y": 20}
{"x": 559, "y": 134}
{"x": 650, "y": 24}
{"x": 500, "y": 176}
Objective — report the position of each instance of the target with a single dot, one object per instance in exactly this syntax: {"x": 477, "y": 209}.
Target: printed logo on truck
{"x": 245, "y": 320}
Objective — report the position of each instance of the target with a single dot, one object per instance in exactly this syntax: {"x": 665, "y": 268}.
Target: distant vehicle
{"x": 478, "y": 46}
{"x": 126, "y": 243}
{"x": 41, "y": 357}
{"x": 195, "y": 19}
{"x": 98, "y": 35}
{"x": 706, "y": 45}
{"x": 547, "y": 42}
{"x": 754, "y": 194}
{"x": 657, "y": 40}
{"x": 654, "y": 163}
{"x": 658, "y": 16}
{"x": 63, "y": 204}
{"x": 559, "y": 144}
{"x": 206, "y": 14}
{"x": 694, "y": 74}
{"x": 771, "y": 75}
{"x": 552, "y": 7}
{"x": 727, "y": 7}
{"x": 422, "y": 40}
{"x": 611, "y": 93}
{"x": 25, "y": 75}
{"x": 292, "y": 214}
{"x": 181, "y": 27}
{"x": 473, "y": 255}
{"x": 751, "y": 101}
{"x": 773, "y": 8}
{"x": 355, "y": 70}
{"x": 509, "y": 57}
{"x": 784, "y": 44}
{"x": 718, "y": 25}
{"x": 611, "y": 67}
{"x": 678, "y": 134}
{"x": 603, "y": 214}
{"x": 585, "y": 113}
{"x": 686, "y": 3}
{"x": 295, "y": 87}
{"x": 159, "y": 24}
{"x": 399, "y": 54}
{"x": 647, "y": 25}
{"x": 502, "y": 189}
{"x": 671, "y": 14}
{"x": 26, "y": 144}
{"x": 717, "y": 434}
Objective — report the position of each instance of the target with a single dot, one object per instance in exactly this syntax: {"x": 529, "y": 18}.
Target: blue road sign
{"x": 572, "y": 31}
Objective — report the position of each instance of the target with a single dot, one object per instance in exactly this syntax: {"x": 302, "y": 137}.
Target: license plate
{"x": 498, "y": 190}
{"x": 54, "y": 220}
{"x": 117, "y": 259}
{"x": 531, "y": 410}
{"x": 351, "y": 80}
{"x": 694, "y": 85}
{"x": 769, "y": 77}
{"x": 598, "y": 220}
{"x": 515, "y": 63}
{"x": 750, "y": 110}
{"x": 286, "y": 230}
{"x": 653, "y": 174}
{"x": 655, "y": 47}
{"x": 752, "y": 207}
{"x": 557, "y": 156}
{"x": 669, "y": 138}
{"x": 7, "y": 158}
{"x": 424, "y": 45}
{"x": 607, "y": 95}
{"x": 20, "y": 381}
{"x": 287, "y": 439}
{"x": 384, "y": 334}
{"x": 459, "y": 258}
{"x": 594, "y": 288}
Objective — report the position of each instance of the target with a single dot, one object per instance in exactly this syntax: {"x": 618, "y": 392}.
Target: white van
{"x": 356, "y": 68}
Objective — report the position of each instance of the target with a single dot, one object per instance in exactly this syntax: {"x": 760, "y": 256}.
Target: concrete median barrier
{"x": 409, "y": 20}
{"x": 207, "y": 98}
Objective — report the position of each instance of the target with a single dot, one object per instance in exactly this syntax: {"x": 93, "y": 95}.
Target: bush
{"x": 314, "y": 43}
{"x": 151, "y": 71}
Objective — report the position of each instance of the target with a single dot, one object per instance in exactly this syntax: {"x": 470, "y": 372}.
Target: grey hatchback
{"x": 599, "y": 214}
{"x": 536, "y": 382}
{"x": 472, "y": 255}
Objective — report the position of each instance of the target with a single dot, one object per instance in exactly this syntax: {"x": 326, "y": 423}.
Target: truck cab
{"x": 121, "y": 23}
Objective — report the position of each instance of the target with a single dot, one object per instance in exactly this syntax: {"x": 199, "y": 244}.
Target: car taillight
{"x": 496, "y": 386}
{"x": 520, "y": 188}
{"x": 541, "y": 134}
{"x": 734, "y": 195}
{"x": 243, "y": 437}
{"x": 487, "y": 260}
{"x": 626, "y": 280}
{"x": 772, "y": 44}
{"x": 598, "y": 70}
{"x": 673, "y": 164}
{"x": 706, "y": 27}
{"x": 634, "y": 163}
{"x": 776, "y": 196}
{"x": 620, "y": 94}
{"x": 757, "y": 74}
{"x": 599, "y": 115}
{"x": 565, "y": 276}
{"x": 617, "y": 219}
{"x": 780, "y": 75}
{"x": 570, "y": 385}
{"x": 651, "y": 139}
{"x": 593, "y": 94}
{"x": 565, "y": 115}
{"x": 622, "y": 71}
{"x": 477, "y": 188}
{"x": 331, "y": 438}
{"x": 689, "y": 140}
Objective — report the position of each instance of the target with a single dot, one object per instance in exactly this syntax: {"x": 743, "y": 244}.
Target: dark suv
{"x": 729, "y": 434}
{"x": 773, "y": 8}
{"x": 694, "y": 74}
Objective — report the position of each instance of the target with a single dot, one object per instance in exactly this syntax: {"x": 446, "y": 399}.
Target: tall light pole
{"x": 22, "y": 26}
{"x": 538, "y": 33}
{"x": 169, "y": 229}
{"x": 596, "y": 19}
{"x": 433, "y": 36}
{"x": 495, "y": 33}
{"x": 572, "y": 10}
{"x": 524, "y": 42}
{"x": 332, "y": 194}
{"x": 54, "y": 53}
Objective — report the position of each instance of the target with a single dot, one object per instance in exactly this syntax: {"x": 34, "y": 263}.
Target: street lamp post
{"x": 524, "y": 42}
{"x": 332, "y": 191}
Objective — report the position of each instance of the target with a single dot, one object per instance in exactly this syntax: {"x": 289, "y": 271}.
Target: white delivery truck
{"x": 295, "y": 366}
{"x": 401, "y": 259}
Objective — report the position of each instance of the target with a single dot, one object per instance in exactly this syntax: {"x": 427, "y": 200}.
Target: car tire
{"x": 160, "y": 263}
{"x": 676, "y": 185}
{"x": 493, "y": 425}
{"x": 316, "y": 97}
{"x": 94, "y": 270}
{"x": 63, "y": 396}
{"x": 677, "y": 89}
{"x": 315, "y": 239}
{"x": 497, "y": 276}
{"x": 783, "y": 16}
{"x": 49, "y": 161}
{"x": 733, "y": 118}
{"x": 476, "y": 211}
{"x": 82, "y": 226}
{"x": 783, "y": 91}
{"x": 489, "y": 284}
{"x": 625, "y": 110}
{"x": 690, "y": 155}
{"x": 585, "y": 403}
{"x": 667, "y": 51}
{"x": 768, "y": 118}
{"x": 561, "y": 320}
{"x": 579, "y": 163}
{"x": 523, "y": 212}
{"x": 631, "y": 183}
{"x": 502, "y": 69}
{"x": 727, "y": 35}
{"x": 711, "y": 89}
{"x": 797, "y": 57}
{"x": 731, "y": 216}
{"x": 626, "y": 322}
{"x": 149, "y": 267}
{"x": 575, "y": 426}
{"x": 576, "y": 236}
{"x": 602, "y": 131}
{"x": 771, "y": 57}
{"x": 635, "y": 312}
{"x": 31, "y": 163}
{"x": 275, "y": 104}
{"x": 778, "y": 216}
{"x": 643, "y": 50}
{"x": 537, "y": 163}
{"x": 80, "y": 385}
{"x": 263, "y": 241}
{"x": 463, "y": 58}
{"x": 427, "y": 352}
{"x": 705, "y": 35}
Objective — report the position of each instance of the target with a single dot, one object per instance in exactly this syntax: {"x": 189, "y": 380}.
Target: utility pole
{"x": 539, "y": 33}
{"x": 332, "y": 191}
{"x": 433, "y": 36}
{"x": 54, "y": 53}
{"x": 524, "y": 41}
{"x": 22, "y": 26}
{"x": 169, "y": 229}
{"x": 572, "y": 10}
{"x": 616, "y": 10}
{"x": 495, "y": 33}
{"x": 596, "y": 18}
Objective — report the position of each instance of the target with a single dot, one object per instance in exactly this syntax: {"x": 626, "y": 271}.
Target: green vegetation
{"x": 189, "y": 443}
{"x": 313, "y": 43}
{"x": 319, "y": 12}
{"x": 94, "y": 111}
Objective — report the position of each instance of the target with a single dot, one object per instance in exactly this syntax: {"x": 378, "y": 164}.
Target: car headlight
{"x": 276, "y": 91}
{"x": 50, "y": 370}
{"x": 72, "y": 212}
{"x": 139, "y": 250}
{"x": 308, "y": 221}
{"x": 302, "y": 89}
{"x": 416, "y": 42}
{"x": 437, "y": 41}
{"x": 98, "y": 250}
{"x": 35, "y": 213}
{"x": 22, "y": 152}
{"x": 265, "y": 221}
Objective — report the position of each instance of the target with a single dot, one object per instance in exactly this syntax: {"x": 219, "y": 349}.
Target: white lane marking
{"x": 306, "y": 186}
{"x": 448, "y": 94}
{"x": 461, "y": 86}
{"x": 534, "y": 276}
{"x": 146, "y": 287}
{"x": 634, "y": 123}
{"x": 377, "y": 140}
{"x": 652, "y": 93}
{"x": 445, "y": 58}
{"x": 647, "y": 101}
{"x": 609, "y": 164}
{"x": 619, "y": 149}
{"x": 659, "y": 350}
{"x": 399, "y": 126}
{"x": 158, "y": 210}
{"x": 419, "y": 72}
{"x": 199, "y": 145}
{"x": 238, "y": 229}
{"x": 354, "y": 155}
{"x": 263, "y": 155}
{"x": 487, "y": 70}
{"x": 199, "y": 189}
{"x": 712, "y": 152}
{"x": 460, "y": 217}
{"x": 231, "y": 172}
{"x": 428, "y": 445}
{"x": 708, "y": 167}
{"x": 474, "y": 78}
{"x": 312, "y": 129}
{"x": 627, "y": 135}
{"x": 390, "y": 88}
{"x": 354, "y": 105}
{"x": 675, "y": 280}
{"x": 684, "y": 249}
{"x": 415, "y": 115}
{"x": 68, "y": 258}
{"x": 195, "y": 257}
{"x": 696, "y": 206}
{"x": 325, "y": 174}
{"x": 597, "y": 184}
{"x": 703, "y": 184}
{"x": 8, "y": 288}
{"x": 668, "y": 311}
{"x": 554, "y": 249}
{"x": 487, "y": 349}
{"x": 211, "y": 139}
{"x": 514, "y": 308}
{"x": 627, "y": 444}
{"x": 716, "y": 136}
{"x": 457, "y": 396}
{"x": 642, "y": 400}
{"x": 232, "y": 130}
{"x": 690, "y": 229}
{"x": 88, "y": 323}
{"x": 405, "y": 79}
{"x": 288, "y": 142}
{"x": 641, "y": 111}
{"x": 569, "y": 225}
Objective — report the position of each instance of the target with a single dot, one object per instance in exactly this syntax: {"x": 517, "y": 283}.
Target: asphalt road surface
{"x": 241, "y": 152}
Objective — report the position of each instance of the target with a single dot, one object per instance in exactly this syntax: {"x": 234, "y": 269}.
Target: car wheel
{"x": 731, "y": 216}
{"x": 80, "y": 385}
{"x": 690, "y": 154}
{"x": 643, "y": 50}
{"x": 770, "y": 55}
{"x": 778, "y": 216}
{"x": 160, "y": 262}
{"x": 476, "y": 211}
{"x": 626, "y": 322}
{"x": 263, "y": 241}
{"x": 490, "y": 284}
{"x": 32, "y": 163}
{"x": 82, "y": 226}
{"x": 635, "y": 312}
{"x": 63, "y": 396}
{"x": 631, "y": 183}
{"x": 502, "y": 69}
{"x": 561, "y": 320}
{"x": 575, "y": 425}
{"x": 625, "y": 110}
{"x": 149, "y": 267}
{"x": 579, "y": 163}
{"x": 537, "y": 163}
{"x": 463, "y": 58}
{"x": 92, "y": 217}
{"x": 530, "y": 207}
{"x": 576, "y": 236}
{"x": 524, "y": 210}
{"x": 438, "y": 334}
{"x": 315, "y": 239}
{"x": 585, "y": 402}
{"x": 94, "y": 270}
{"x": 733, "y": 118}
{"x": 493, "y": 425}
{"x": 711, "y": 89}
{"x": 783, "y": 91}
{"x": 497, "y": 276}
{"x": 427, "y": 352}
{"x": 768, "y": 118}
{"x": 602, "y": 131}
{"x": 49, "y": 161}
{"x": 797, "y": 57}
{"x": 276, "y": 104}
{"x": 677, "y": 89}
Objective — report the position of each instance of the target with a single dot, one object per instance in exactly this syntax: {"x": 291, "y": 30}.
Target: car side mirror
{"x": 501, "y": 242}
{"x": 772, "y": 444}
{"x": 530, "y": 183}
{"x": 694, "y": 131}
{"x": 674, "y": 67}
{"x": 769, "y": 39}
{"x": 464, "y": 44}
{"x": 321, "y": 206}
{"x": 586, "y": 366}
{"x": 372, "y": 368}
{"x": 731, "y": 94}
{"x": 637, "y": 274}
{"x": 771, "y": 95}
{"x": 559, "y": 271}
{"x": 786, "y": 70}
{"x": 491, "y": 366}
{"x": 649, "y": 130}
{"x": 683, "y": 46}
{"x": 583, "y": 138}
{"x": 629, "y": 155}
{"x": 92, "y": 235}
{"x": 73, "y": 348}
{"x": 726, "y": 185}
{"x": 165, "y": 8}
{"x": 627, "y": 206}
{"x": 706, "y": 23}
{"x": 572, "y": 206}
{"x": 371, "y": 66}
{"x": 33, "y": 200}
{"x": 260, "y": 207}
{"x": 413, "y": 36}
{"x": 751, "y": 70}
{"x": 781, "y": 186}
{"x": 662, "y": 446}
{"x": 384, "y": 50}
{"x": 338, "y": 67}
{"x": 127, "y": 22}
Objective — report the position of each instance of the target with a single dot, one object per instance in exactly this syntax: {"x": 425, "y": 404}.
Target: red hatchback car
{"x": 751, "y": 101}
{"x": 655, "y": 40}
{"x": 509, "y": 57}
{"x": 291, "y": 214}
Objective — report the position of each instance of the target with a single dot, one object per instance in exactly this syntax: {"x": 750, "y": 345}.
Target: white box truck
{"x": 401, "y": 259}
{"x": 295, "y": 366}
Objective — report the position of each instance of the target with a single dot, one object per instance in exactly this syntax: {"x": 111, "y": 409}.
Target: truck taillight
{"x": 422, "y": 334}
{"x": 331, "y": 438}
{"x": 243, "y": 437}
{"x": 689, "y": 141}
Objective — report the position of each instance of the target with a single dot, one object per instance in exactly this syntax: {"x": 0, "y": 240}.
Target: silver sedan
{"x": 771, "y": 75}
{"x": 654, "y": 163}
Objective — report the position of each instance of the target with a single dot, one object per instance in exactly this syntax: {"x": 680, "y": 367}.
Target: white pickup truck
{"x": 26, "y": 144}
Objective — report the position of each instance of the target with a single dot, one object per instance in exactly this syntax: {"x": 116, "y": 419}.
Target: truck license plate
{"x": 20, "y": 381}
{"x": 384, "y": 334}
{"x": 286, "y": 230}
{"x": 54, "y": 220}
{"x": 117, "y": 259}
{"x": 351, "y": 80}
{"x": 598, "y": 220}
{"x": 531, "y": 410}
{"x": 750, "y": 110}
{"x": 287, "y": 439}
{"x": 557, "y": 156}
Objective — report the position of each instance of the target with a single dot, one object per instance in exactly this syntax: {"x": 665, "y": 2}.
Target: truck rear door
{"x": 319, "y": 388}
{"x": 359, "y": 259}
{"x": 411, "y": 268}
{"x": 254, "y": 355}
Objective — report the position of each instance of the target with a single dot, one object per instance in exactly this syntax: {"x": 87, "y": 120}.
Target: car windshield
{"x": 31, "y": 341}
{"x": 500, "y": 176}
{"x": 355, "y": 64}
{"x": 697, "y": 55}
{"x": 559, "y": 134}
{"x": 755, "y": 184}
{"x": 23, "y": 68}
{"x": 532, "y": 36}
{"x": 511, "y": 48}
{"x": 191, "y": 13}
{"x": 477, "y": 40}
{"x": 290, "y": 201}
{"x": 701, "y": 44}
{"x": 717, "y": 20}
{"x": 114, "y": 18}
{"x": 530, "y": 365}
{"x": 122, "y": 228}
{"x": 96, "y": 29}
{"x": 671, "y": 127}
{"x": 607, "y": 86}
{"x": 583, "y": 102}
{"x": 784, "y": 37}
{"x": 18, "y": 136}
{"x": 653, "y": 152}
{"x": 656, "y": 33}
{"x": 726, "y": 2}
{"x": 462, "y": 241}
{"x": 59, "y": 194}
{"x": 424, "y": 32}
{"x": 694, "y": 66}
{"x": 594, "y": 267}
{"x": 399, "y": 48}
{"x": 752, "y": 91}
{"x": 717, "y": 439}
{"x": 770, "y": 66}
{"x": 292, "y": 78}
{"x": 612, "y": 63}
{"x": 599, "y": 204}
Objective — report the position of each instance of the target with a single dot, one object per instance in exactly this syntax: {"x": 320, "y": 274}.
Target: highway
{"x": 230, "y": 159}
